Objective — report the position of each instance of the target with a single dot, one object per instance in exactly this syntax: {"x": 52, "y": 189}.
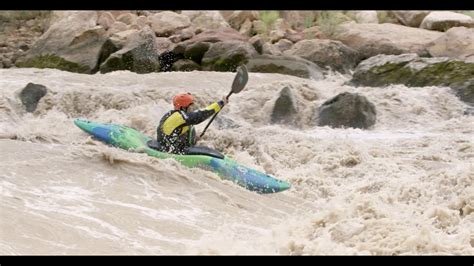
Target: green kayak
{"x": 132, "y": 140}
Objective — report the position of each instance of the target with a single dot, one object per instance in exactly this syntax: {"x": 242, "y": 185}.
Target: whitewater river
{"x": 404, "y": 186}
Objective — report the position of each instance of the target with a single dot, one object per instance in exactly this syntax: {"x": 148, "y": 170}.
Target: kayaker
{"x": 176, "y": 132}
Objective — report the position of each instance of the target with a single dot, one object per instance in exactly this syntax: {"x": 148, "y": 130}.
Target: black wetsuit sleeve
{"x": 198, "y": 116}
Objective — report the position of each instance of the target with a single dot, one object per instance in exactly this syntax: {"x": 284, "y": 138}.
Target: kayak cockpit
{"x": 195, "y": 150}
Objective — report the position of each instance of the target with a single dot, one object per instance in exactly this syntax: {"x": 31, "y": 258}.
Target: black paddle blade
{"x": 240, "y": 79}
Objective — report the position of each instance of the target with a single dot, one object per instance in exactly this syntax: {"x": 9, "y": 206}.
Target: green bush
{"x": 329, "y": 21}
{"x": 11, "y": 16}
{"x": 467, "y": 12}
{"x": 269, "y": 17}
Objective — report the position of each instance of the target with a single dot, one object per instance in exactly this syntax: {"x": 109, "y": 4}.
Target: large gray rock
{"x": 221, "y": 35}
{"x": 327, "y": 53}
{"x": 412, "y": 70}
{"x": 163, "y": 44}
{"x": 196, "y": 51}
{"x": 246, "y": 28}
{"x": 374, "y": 39}
{"x": 31, "y": 95}
{"x": 257, "y": 41}
{"x": 206, "y": 20}
{"x": 127, "y": 18}
{"x": 116, "y": 42}
{"x": 106, "y": 19}
{"x": 284, "y": 110}
{"x": 288, "y": 65}
{"x": 284, "y": 45}
{"x": 56, "y": 16}
{"x": 185, "y": 65}
{"x": 72, "y": 43}
{"x": 139, "y": 55}
{"x": 270, "y": 49}
{"x": 456, "y": 43}
{"x": 166, "y": 23}
{"x": 443, "y": 20}
{"x": 237, "y": 18}
{"x": 117, "y": 26}
{"x": 227, "y": 56}
{"x": 364, "y": 16}
{"x": 410, "y": 18}
{"x": 347, "y": 110}
{"x": 183, "y": 35}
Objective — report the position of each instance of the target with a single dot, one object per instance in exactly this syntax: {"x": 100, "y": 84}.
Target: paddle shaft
{"x": 214, "y": 116}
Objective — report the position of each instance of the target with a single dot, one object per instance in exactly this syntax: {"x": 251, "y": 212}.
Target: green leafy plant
{"x": 329, "y": 21}
{"x": 269, "y": 17}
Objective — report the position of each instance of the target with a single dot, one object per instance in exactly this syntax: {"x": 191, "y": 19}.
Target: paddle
{"x": 238, "y": 85}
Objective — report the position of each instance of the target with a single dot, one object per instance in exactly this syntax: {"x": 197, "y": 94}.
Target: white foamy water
{"x": 402, "y": 187}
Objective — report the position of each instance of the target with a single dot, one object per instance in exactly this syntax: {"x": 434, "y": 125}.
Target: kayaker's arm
{"x": 198, "y": 116}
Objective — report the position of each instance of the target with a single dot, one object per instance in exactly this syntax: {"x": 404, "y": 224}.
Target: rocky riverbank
{"x": 306, "y": 44}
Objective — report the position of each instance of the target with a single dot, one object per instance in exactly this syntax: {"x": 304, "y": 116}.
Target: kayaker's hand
{"x": 223, "y": 102}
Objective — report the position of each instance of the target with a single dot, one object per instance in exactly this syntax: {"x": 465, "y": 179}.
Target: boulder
{"x": 221, "y": 35}
{"x": 294, "y": 37}
{"x": 117, "y": 13}
{"x": 226, "y": 13}
{"x": 116, "y": 42}
{"x": 456, "y": 43}
{"x": 106, "y": 19}
{"x": 73, "y": 43}
{"x": 327, "y": 53}
{"x": 270, "y": 49}
{"x": 237, "y": 18}
{"x": 117, "y": 26}
{"x": 163, "y": 44}
{"x": 412, "y": 70}
{"x": 206, "y": 20}
{"x": 364, "y": 16}
{"x": 127, "y": 18}
{"x": 227, "y": 56}
{"x": 185, "y": 65}
{"x": 196, "y": 51}
{"x": 183, "y": 35}
{"x": 166, "y": 23}
{"x": 288, "y": 65}
{"x": 276, "y": 35}
{"x": 257, "y": 41}
{"x": 410, "y": 18}
{"x": 56, "y": 16}
{"x": 284, "y": 110}
{"x": 140, "y": 54}
{"x": 374, "y": 39}
{"x": 142, "y": 21}
{"x": 283, "y": 45}
{"x": 246, "y": 28}
{"x": 259, "y": 27}
{"x": 443, "y": 20}
{"x": 347, "y": 110}
{"x": 31, "y": 94}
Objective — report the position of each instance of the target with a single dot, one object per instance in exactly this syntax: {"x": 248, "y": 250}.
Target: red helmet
{"x": 182, "y": 100}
